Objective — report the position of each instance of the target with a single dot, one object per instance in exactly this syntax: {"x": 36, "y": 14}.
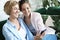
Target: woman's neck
{"x": 15, "y": 22}
{"x": 27, "y": 17}
{"x": 27, "y": 20}
{"x": 13, "y": 19}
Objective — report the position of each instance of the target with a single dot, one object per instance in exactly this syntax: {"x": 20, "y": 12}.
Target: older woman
{"x": 14, "y": 28}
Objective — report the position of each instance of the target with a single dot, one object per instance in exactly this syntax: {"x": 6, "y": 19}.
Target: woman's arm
{"x": 7, "y": 34}
{"x": 40, "y": 25}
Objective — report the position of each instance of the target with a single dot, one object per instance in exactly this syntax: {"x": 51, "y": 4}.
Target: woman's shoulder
{"x": 20, "y": 19}
{"x": 35, "y": 13}
{"x": 6, "y": 25}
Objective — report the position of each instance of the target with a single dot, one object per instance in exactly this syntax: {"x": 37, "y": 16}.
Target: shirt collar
{"x": 11, "y": 23}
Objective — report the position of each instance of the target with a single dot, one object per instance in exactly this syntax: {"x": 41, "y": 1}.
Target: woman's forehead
{"x": 25, "y": 4}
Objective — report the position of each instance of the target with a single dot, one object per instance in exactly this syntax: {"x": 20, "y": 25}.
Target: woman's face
{"x": 26, "y": 9}
{"x": 15, "y": 11}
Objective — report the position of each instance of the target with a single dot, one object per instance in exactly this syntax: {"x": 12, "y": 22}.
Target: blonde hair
{"x": 8, "y": 6}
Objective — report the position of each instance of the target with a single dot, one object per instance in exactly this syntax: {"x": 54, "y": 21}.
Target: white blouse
{"x": 38, "y": 24}
{"x": 22, "y": 33}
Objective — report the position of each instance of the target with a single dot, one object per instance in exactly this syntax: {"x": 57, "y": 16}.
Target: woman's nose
{"x": 18, "y": 11}
{"x": 26, "y": 10}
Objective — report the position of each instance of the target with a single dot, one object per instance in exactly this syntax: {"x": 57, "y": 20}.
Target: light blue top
{"x": 10, "y": 33}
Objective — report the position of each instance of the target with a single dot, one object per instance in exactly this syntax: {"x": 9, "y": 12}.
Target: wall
{"x": 35, "y": 4}
{"x": 3, "y": 16}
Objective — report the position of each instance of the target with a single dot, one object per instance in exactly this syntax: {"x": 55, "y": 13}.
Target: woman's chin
{"x": 26, "y": 15}
{"x": 16, "y": 16}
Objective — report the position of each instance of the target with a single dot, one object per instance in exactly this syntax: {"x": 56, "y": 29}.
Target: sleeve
{"x": 40, "y": 24}
{"x": 7, "y": 34}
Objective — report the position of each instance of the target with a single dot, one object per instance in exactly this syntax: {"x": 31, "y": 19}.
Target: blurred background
{"x": 49, "y": 9}
{"x": 36, "y": 5}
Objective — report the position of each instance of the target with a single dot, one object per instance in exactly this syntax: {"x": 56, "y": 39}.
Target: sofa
{"x": 1, "y": 25}
{"x": 49, "y": 11}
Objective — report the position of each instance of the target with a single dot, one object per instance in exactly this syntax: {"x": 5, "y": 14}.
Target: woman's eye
{"x": 15, "y": 8}
{"x": 27, "y": 8}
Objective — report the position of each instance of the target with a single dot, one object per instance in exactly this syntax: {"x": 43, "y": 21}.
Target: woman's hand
{"x": 37, "y": 37}
{"x": 41, "y": 36}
